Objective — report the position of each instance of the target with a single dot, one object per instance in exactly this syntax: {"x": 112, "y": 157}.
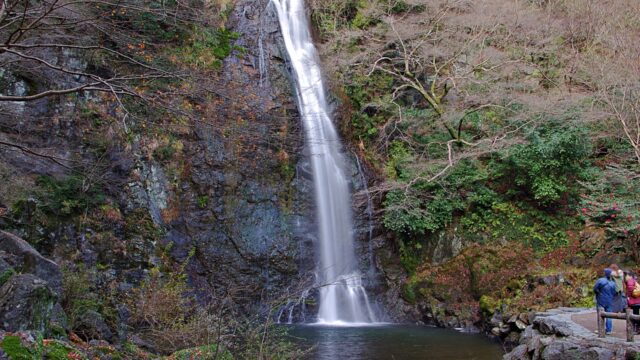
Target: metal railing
{"x": 627, "y": 316}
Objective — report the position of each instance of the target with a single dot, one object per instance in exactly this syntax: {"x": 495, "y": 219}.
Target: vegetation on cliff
{"x": 511, "y": 128}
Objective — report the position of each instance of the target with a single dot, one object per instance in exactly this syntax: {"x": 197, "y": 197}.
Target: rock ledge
{"x": 553, "y": 335}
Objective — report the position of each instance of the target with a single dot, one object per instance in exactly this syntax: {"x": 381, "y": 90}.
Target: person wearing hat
{"x": 605, "y": 290}
{"x": 620, "y": 300}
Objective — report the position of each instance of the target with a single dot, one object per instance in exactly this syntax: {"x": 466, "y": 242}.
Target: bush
{"x": 430, "y": 206}
{"x": 328, "y": 16}
{"x": 80, "y": 296}
{"x": 548, "y": 167}
{"x": 69, "y": 196}
{"x": 611, "y": 202}
{"x": 166, "y": 314}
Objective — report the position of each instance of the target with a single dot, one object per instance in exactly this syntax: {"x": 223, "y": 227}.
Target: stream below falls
{"x": 393, "y": 342}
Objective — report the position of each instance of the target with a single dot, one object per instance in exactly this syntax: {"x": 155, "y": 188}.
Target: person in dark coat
{"x": 605, "y": 290}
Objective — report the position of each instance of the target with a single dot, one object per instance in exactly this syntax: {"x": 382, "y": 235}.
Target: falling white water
{"x": 343, "y": 300}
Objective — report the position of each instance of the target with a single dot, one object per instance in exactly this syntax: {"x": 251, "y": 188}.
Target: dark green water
{"x": 394, "y": 342}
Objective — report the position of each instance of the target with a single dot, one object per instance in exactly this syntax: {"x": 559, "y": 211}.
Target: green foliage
{"x": 153, "y": 26}
{"x": 203, "y": 201}
{"x": 549, "y": 165}
{"x": 80, "y": 296}
{"x": 544, "y": 171}
{"x": 430, "y": 206}
{"x": 6, "y": 275}
{"x": 399, "y": 157}
{"x": 517, "y": 222}
{"x": 362, "y": 21}
{"x": 409, "y": 254}
{"x": 12, "y": 346}
{"x": 69, "y": 196}
{"x": 548, "y": 69}
{"x": 57, "y": 350}
{"x": 369, "y": 97}
{"x": 165, "y": 152}
{"x": 402, "y": 7}
{"x": 208, "y": 48}
{"x": 488, "y": 305}
{"x": 41, "y": 349}
{"x": 330, "y": 16}
{"x": 212, "y": 351}
{"x": 409, "y": 289}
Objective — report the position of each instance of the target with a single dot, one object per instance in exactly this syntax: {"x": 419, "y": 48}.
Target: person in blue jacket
{"x": 605, "y": 290}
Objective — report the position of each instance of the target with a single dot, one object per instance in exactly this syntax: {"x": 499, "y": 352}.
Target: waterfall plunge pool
{"x": 393, "y": 342}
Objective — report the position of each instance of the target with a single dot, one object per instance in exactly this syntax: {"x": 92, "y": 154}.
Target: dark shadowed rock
{"x": 91, "y": 326}
{"x": 25, "y": 259}
{"x": 26, "y": 303}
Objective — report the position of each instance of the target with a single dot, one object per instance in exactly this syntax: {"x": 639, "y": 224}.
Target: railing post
{"x": 599, "y": 311}
{"x": 630, "y": 327}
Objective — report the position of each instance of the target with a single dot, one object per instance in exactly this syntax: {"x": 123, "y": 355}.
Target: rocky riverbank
{"x": 553, "y": 335}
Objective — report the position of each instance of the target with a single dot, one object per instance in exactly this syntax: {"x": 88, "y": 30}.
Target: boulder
{"x": 553, "y": 326}
{"x": 26, "y": 303}
{"x": 25, "y": 259}
{"x": 519, "y": 353}
{"x": 563, "y": 350}
{"x": 597, "y": 353}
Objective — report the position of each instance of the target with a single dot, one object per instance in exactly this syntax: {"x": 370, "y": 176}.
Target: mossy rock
{"x": 58, "y": 350}
{"x": 47, "y": 349}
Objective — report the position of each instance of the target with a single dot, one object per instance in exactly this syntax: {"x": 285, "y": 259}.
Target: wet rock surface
{"x": 247, "y": 209}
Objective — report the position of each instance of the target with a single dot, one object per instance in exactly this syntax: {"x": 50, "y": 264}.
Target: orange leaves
{"x": 170, "y": 213}
{"x": 139, "y": 49}
{"x": 283, "y": 156}
{"x": 71, "y": 355}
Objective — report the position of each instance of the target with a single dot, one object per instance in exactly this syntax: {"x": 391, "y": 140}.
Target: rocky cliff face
{"x": 229, "y": 195}
{"x": 234, "y": 201}
{"x": 246, "y": 205}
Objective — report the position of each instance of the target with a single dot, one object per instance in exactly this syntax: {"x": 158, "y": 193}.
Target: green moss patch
{"x": 203, "y": 352}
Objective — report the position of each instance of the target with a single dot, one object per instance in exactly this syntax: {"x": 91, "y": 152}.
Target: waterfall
{"x": 343, "y": 299}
